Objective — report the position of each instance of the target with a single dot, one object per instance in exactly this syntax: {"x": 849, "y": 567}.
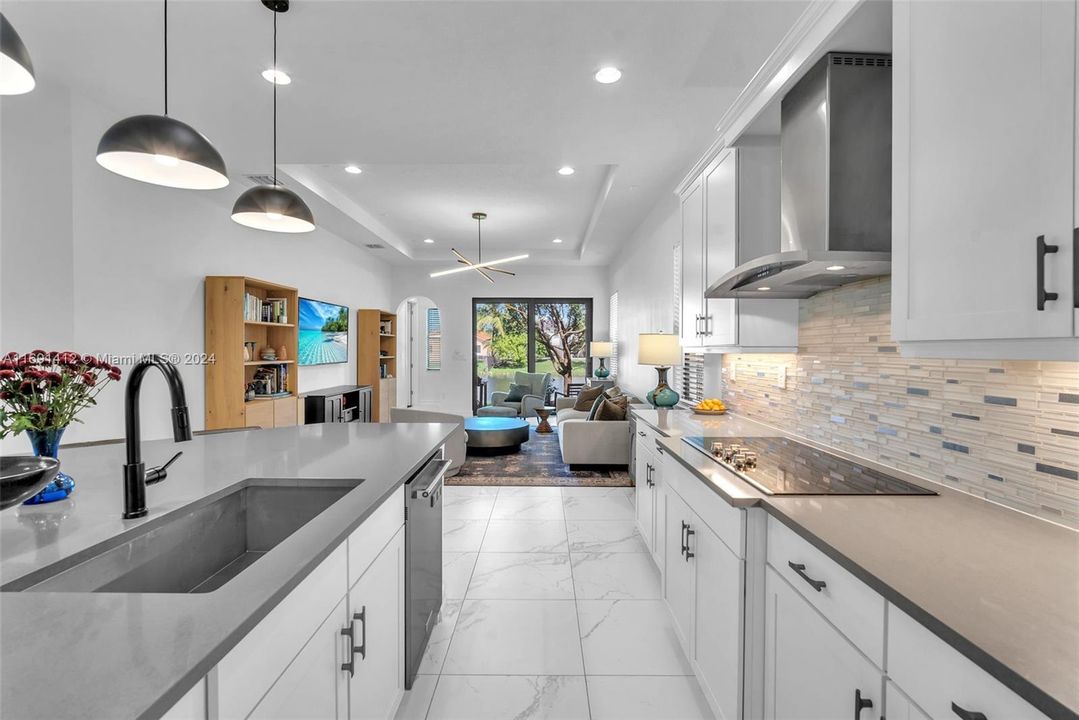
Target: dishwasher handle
{"x": 440, "y": 468}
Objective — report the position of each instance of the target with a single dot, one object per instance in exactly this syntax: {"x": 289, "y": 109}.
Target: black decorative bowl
{"x": 22, "y": 476}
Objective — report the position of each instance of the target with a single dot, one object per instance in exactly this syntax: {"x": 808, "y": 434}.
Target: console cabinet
{"x": 969, "y": 209}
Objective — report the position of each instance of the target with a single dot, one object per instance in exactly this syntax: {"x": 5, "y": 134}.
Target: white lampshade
{"x": 658, "y": 349}
{"x": 599, "y": 349}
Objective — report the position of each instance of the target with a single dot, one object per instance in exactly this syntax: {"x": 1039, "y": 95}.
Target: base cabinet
{"x": 898, "y": 706}
{"x": 680, "y": 570}
{"x": 811, "y": 671}
{"x": 719, "y": 643}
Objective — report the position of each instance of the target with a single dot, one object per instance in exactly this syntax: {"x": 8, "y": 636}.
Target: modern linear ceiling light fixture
{"x": 16, "y": 70}
{"x": 273, "y": 207}
{"x": 162, "y": 150}
{"x": 479, "y": 266}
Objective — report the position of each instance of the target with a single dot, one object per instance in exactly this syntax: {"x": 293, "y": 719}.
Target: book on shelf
{"x": 270, "y": 310}
{"x": 271, "y": 381}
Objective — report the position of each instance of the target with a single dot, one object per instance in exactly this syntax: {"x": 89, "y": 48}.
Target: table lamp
{"x": 601, "y": 351}
{"x": 662, "y": 351}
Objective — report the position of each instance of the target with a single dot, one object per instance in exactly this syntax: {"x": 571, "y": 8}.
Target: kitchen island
{"x": 132, "y": 655}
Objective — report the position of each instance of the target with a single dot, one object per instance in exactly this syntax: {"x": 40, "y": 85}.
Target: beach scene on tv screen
{"x": 323, "y": 333}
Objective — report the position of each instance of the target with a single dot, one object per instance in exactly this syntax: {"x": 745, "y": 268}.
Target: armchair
{"x": 536, "y": 398}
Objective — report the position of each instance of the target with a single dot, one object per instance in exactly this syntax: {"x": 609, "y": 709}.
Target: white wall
{"x": 450, "y": 388}
{"x": 643, "y": 276}
{"x": 97, "y": 263}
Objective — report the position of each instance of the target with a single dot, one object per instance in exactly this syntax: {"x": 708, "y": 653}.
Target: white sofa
{"x": 591, "y": 442}
{"x": 455, "y": 445}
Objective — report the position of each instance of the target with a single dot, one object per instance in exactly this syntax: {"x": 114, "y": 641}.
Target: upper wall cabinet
{"x": 983, "y": 188}
{"x": 730, "y": 215}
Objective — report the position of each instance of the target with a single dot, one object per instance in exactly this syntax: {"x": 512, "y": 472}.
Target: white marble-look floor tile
{"x": 528, "y": 536}
{"x": 462, "y": 535}
{"x": 439, "y": 641}
{"x": 543, "y": 697}
{"x": 584, "y": 491}
{"x": 471, "y": 490}
{"x": 604, "y": 536}
{"x": 630, "y": 637}
{"x": 600, "y": 504}
{"x": 516, "y": 637}
{"x": 647, "y": 698}
{"x": 527, "y": 507}
{"x": 467, "y": 507}
{"x": 521, "y": 576}
{"x": 416, "y": 701}
{"x": 529, "y": 491}
{"x": 456, "y": 573}
{"x": 615, "y": 576}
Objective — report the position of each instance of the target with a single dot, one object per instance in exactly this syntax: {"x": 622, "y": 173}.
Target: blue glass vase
{"x": 602, "y": 371}
{"x": 46, "y": 443}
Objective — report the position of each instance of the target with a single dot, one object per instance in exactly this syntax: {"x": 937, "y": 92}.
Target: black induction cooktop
{"x": 780, "y": 466}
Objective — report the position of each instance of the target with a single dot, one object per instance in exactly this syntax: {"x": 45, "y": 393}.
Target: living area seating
{"x": 591, "y": 442}
{"x": 537, "y": 384}
{"x": 455, "y": 448}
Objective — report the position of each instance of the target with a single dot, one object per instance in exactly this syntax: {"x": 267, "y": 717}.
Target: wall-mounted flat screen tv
{"x": 323, "y": 333}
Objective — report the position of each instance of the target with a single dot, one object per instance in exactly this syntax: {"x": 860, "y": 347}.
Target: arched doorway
{"x": 419, "y": 352}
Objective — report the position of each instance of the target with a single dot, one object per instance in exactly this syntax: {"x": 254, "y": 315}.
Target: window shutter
{"x": 692, "y": 378}
{"x": 434, "y": 339}
{"x": 614, "y": 334}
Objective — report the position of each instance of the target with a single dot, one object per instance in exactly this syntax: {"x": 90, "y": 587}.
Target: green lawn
{"x": 502, "y": 377}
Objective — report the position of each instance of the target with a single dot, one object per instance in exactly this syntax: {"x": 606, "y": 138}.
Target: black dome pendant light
{"x": 161, "y": 150}
{"x": 16, "y": 70}
{"x": 273, "y": 207}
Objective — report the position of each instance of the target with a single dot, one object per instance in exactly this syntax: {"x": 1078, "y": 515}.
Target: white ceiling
{"x": 449, "y": 107}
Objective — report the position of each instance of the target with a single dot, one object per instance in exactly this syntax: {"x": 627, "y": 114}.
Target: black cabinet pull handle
{"x": 689, "y": 553}
{"x": 349, "y": 632}
{"x": 1042, "y": 250}
{"x": 800, "y": 568}
{"x": 641, "y": 433}
{"x": 362, "y": 647}
{"x": 860, "y": 703}
{"x": 682, "y": 538}
{"x": 968, "y": 714}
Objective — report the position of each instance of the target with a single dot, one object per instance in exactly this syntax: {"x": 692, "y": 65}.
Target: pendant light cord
{"x": 479, "y": 241}
{"x": 165, "y": 44}
{"x": 275, "y": 100}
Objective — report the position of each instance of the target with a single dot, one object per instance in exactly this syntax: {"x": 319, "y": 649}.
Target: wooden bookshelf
{"x": 376, "y": 350}
{"x": 227, "y": 329}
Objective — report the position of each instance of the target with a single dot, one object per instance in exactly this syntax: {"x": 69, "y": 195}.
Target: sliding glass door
{"x": 538, "y": 335}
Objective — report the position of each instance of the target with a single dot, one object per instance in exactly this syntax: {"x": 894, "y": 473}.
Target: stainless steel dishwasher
{"x": 423, "y": 559}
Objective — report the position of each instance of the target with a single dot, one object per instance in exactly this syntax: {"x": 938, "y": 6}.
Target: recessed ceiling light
{"x": 428, "y": 241}
{"x": 837, "y": 267}
{"x": 566, "y": 170}
{"x": 557, "y": 240}
{"x": 608, "y": 75}
{"x": 277, "y": 77}
{"x": 353, "y": 169}
{"x": 764, "y": 288}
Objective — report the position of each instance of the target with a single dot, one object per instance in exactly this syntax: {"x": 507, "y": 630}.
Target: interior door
{"x": 984, "y": 140}
{"x": 811, "y": 671}
{"x": 721, "y": 247}
{"x": 378, "y": 599}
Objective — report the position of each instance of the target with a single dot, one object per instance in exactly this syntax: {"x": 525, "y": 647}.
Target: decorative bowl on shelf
{"x": 709, "y": 412}
{"x": 22, "y": 476}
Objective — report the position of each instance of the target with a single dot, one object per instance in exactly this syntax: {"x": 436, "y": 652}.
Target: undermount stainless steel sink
{"x": 196, "y": 549}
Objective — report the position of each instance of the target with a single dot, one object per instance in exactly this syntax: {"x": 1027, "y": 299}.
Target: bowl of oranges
{"x": 710, "y": 406}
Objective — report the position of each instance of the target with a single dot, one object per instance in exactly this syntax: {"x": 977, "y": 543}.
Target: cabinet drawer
{"x": 935, "y": 675}
{"x": 646, "y": 435}
{"x": 284, "y": 412}
{"x": 254, "y": 665}
{"x": 847, "y": 602}
{"x": 367, "y": 541}
{"x": 258, "y": 413}
{"x": 726, "y": 521}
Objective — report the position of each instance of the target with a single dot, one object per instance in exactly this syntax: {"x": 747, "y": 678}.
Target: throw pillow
{"x": 595, "y": 406}
{"x": 517, "y": 392}
{"x": 587, "y": 398}
{"x": 613, "y": 408}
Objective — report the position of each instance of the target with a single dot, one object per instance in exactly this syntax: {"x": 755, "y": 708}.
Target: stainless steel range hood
{"x": 836, "y": 150}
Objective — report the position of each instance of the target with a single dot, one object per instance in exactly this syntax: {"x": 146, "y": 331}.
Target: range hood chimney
{"x": 836, "y": 154}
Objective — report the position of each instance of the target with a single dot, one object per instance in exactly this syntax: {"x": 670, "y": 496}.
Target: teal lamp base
{"x": 602, "y": 371}
{"x": 663, "y": 396}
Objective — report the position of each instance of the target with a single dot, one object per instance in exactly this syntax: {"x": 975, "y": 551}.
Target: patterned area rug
{"x": 538, "y": 463}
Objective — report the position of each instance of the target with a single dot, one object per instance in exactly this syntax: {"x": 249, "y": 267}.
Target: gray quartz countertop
{"x": 98, "y": 655}
{"x": 998, "y": 585}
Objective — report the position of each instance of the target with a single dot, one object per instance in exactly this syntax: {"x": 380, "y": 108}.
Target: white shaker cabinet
{"x": 644, "y": 491}
{"x": 720, "y": 590}
{"x": 984, "y": 154}
{"x": 898, "y": 706}
{"x": 692, "y": 275}
{"x": 680, "y": 572}
{"x": 811, "y": 671}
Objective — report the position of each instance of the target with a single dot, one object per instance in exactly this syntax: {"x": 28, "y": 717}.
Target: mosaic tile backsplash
{"x": 1004, "y": 430}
